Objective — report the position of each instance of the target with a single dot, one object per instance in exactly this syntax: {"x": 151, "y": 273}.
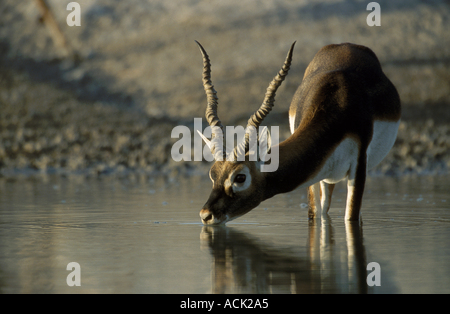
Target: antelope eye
{"x": 240, "y": 178}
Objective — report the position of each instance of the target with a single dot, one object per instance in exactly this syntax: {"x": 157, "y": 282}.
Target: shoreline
{"x": 139, "y": 75}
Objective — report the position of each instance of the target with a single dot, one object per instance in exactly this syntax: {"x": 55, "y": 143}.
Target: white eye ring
{"x": 241, "y": 186}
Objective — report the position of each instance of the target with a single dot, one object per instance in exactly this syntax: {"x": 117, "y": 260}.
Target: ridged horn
{"x": 269, "y": 99}
{"x": 211, "y": 108}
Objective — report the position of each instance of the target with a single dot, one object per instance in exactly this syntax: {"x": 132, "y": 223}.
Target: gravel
{"x": 139, "y": 75}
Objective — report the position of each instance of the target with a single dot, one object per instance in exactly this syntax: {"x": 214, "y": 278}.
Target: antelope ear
{"x": 208, "y": 142}
{"x": 265, "y": 143}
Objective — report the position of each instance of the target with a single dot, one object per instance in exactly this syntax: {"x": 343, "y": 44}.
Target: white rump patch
{"x": 383, "y": 138}
{"x": 238, "y": 187}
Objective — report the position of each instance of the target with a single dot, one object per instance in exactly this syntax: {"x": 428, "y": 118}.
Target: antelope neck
{"x": 302, "y": 155}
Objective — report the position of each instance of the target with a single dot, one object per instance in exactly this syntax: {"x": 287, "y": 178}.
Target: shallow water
{"x": 141, "y": 235}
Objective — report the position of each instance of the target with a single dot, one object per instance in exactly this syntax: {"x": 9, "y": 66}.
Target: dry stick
{"x": 57, "y": 35}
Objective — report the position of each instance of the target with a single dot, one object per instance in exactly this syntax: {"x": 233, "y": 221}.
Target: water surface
{"x": 143, "y": 235}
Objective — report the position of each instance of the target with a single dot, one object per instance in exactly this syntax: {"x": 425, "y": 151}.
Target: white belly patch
{"x": 345, "y": 156}
{"x": 339, "y": 163}
{"x": 337, "y": 166}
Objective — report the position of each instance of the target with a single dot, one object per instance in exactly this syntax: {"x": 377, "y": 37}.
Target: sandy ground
{"x": 139, "y": 75}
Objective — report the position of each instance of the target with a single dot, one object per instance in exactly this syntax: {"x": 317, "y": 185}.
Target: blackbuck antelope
{"x": 344, "y": 119}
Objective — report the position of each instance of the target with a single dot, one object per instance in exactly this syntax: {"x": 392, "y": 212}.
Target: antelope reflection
{"x": 242, "y": 264}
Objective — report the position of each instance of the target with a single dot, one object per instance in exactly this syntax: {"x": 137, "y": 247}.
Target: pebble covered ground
{"x": 139, "y": 75}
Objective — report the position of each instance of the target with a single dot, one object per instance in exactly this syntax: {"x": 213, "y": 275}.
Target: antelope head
{"x": 238, "y": 183}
